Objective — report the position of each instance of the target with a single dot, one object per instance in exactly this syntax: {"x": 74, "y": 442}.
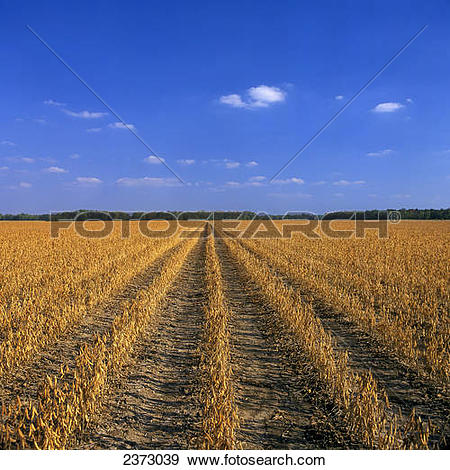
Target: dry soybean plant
{"x": 219, "y": 420}
{"x": 394, "y": 289}
{"x": 65, "y": 409}
{"x": 365, "y": 408}
{"x": 48, "y": 285}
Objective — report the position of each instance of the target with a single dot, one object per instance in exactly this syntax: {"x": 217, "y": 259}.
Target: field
{"x": 223, "y": 342}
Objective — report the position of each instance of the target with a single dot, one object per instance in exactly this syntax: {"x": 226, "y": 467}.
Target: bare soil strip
{"x": 406, "y": 391}
{"x": 25, "y": 381}
{"x": 275, "y": 404}
{"x": 404, "y": 388}
{"x": 154, "y": 404}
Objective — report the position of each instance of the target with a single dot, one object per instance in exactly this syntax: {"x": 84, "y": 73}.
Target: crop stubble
{"x": 224, "y": 343}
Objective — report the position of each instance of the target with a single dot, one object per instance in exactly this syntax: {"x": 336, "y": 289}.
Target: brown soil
{"x": 275, "y": 404}
{"x": 26, "y": 380}
{"x": 154, "y": 404}
{"x": 406, "y": 390}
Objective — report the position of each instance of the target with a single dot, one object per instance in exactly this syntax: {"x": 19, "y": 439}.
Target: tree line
{"x": 84, "y": 214}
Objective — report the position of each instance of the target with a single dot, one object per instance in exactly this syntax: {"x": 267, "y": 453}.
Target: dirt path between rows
{"x": 154, "y": 404}
{"x": 273, "y": 402}
{"x": 405, "y": 389}
{"x": 26, "y": 380}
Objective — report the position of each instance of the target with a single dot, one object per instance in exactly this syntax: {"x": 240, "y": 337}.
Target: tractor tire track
{"x": 405, "y": 389}
{"x": 275, "y": 404}
{"x": 26, "y": 381}
{"x": 154, "y": 404}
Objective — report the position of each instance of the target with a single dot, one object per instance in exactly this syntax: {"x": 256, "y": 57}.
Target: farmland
{"x": 219, "y": 342}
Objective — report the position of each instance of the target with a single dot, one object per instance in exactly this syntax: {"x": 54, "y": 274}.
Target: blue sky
{"x": 225, "y": 93}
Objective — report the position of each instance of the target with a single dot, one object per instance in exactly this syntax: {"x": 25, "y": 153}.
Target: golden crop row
{"x": 63, "y": 410}
{"x": 47, "y": 285}
{"x": 395, "y": 289}
{"x": 365, "y": 408}
{"x": 219, "y": 420}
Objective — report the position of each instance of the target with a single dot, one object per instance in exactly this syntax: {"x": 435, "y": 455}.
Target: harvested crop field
{"x": 221, "y": 340}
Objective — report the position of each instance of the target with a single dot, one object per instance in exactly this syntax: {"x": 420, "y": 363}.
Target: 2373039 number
{"x": 151, "y": 459}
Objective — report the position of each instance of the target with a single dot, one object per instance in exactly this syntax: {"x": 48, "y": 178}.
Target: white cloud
{"x": 388, "y": 107}
{"x": 237, "y": 184}
{"x": 4, "y": 168}
{"x": 55, "y": 169}
{"x": 260, "y": 96}
{"x": 121, "y": 125}
{"x": 154, "y": 160}
{"x": 263, "y": 95}
{"x": 53, "y": 103}
{"x": 40, "y": 121}
{"x": 254, "y": 181}
{"x": 348, "y": 183}
{"x": 88, "y": 180}
{"x": 9, "y": 143}
{"x": 186, "y": 162}
{"x": 24, "y": 184}
{"x": 224, "y": 162}
{"x": 319, "y": 183}
{"x": 257, "y": 178}
{"x": 339, "y": 97}
{"x": 380, "y": 153}
{"x": 294, "y": 180}
{"x": 233, "y": 184}
{"x": 233, "y": 100}
{"x": 228, "y": 163}
{"x": 20, "y": 159}
{"x": 94, "y": 129}
{"x": 409, "y": 100}
{"x": 84, "y": 114}
{"x": 147, "y": 181}
{"x": 74, "y": 156}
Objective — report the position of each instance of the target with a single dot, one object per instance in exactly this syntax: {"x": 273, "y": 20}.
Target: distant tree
{"x": 85, "y": 214}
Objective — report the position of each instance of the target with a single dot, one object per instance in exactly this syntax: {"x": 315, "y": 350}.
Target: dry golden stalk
{"x": 395, "y": 289}
{"x": 47, "y": 285}
{"x": 357, "y": 395}
{"x": 220, "y": 419}
{"x": 63, "y": 410}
